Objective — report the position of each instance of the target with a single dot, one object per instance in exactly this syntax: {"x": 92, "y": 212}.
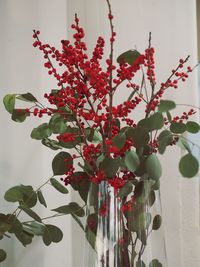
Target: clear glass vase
{"x": 124, "y": 227}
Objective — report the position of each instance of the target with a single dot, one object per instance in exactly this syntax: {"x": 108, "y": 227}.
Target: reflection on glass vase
{"x": 124, "y": 227}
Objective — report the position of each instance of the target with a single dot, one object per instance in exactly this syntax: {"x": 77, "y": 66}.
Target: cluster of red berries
{"x": 85, "y": 90}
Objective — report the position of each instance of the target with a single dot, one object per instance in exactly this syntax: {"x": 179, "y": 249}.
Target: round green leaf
{"x": 140, "y": 263}
{"x": 153, "y": 167}
{"x": 164, "y": 139}
{"x": 129, "y": 57}
{"x": 24, "y": 237}
{"x": 188, "y": 166}
{"x": 110, "y": 166}
{"x": 23, "y": 194}
{"x": 77, "y": 135}
{"x": 140, "y": 136}
{"x": 155, "y": 263}
{"x": 166, "y": 105}
{"x": 19, "y": 115}
{"x": 81, "y": 185}
{"x": 16, "y": 225}
{"x": 61, "y": 162}
{"x": 14, "y": 194}
{"x": 52, "y": 234}
{"x": 155, "y": 122}
{"x": 192, "y": 127}
{"x": 4, "y": 224}
{"x": 177, "y": 127}
{"x": 41, "y": 132}
{"x": 131, "y": 161}
{"x": 119, "y": 140}
{"x": 3, "y": 255}
{"x": 157, "y": 221}
{"x": 9, "y": 102}
{"x": 57, "y": 124}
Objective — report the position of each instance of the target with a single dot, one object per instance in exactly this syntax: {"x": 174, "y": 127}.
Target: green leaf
{"x": 125, "y": 190}
{"x": 16, "y": 225}
{"x": 81, "y": 183}
{"x": 140, "y": 136}
{"x": 9, "y": 102}
{"x": 177, "y": 127}
{"x": 34, "y": 228}
{"x": 52, "y": 144}
{"x": 77, "y": 135}
{"x": 169, "y": 116}
{"x": 129, "y": 57}
{"x": 57, "y": 124}
{"x": 164, "y": 139}
{"x": 192, "y": 127}
{"x": 184, "y": 144}
{"x": 4, "y": 224}
{"x": 119, "y": 140}
{"x": 188, "y": 166}
{"x": 131, "y": 160}
{"x": 153, "y": 167}
{"x": 72, "y": 207}
{"x": 93, "y": 135}
{"x": 19, "y": 115}
{"x": 140, "y": 263}
{"x": 52, "y": 234}
{"x": 29, "y": 196}
{"x": 155, "y": 121}
{"x": 3, "y": 255}
{"x": 166, "y": 105}
{"x": 14, "y": 194}
{"x": 62, "y": 189}
{"x": 31, "y": 213}
{"x": 24, "y": 237}
{"x": 61, "y": 162}
{"x": 110, "y": 166}
{"x": 155, "y": 263}
{"x": 41, "y": 132}
{"x": 157, "y": 221}
{"x": 23, "y": 194}
{"x": 41, "y": 198}
{"x": 27, "y": 97}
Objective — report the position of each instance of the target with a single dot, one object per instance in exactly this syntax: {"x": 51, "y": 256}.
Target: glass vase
{"x": 124, "y": 227}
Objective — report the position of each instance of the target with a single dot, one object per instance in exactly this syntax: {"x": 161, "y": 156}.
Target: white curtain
{"x": 22, "y": 160}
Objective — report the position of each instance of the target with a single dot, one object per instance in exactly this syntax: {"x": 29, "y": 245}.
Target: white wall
{"x": 23, "y": 160}
{"x": 173, "y": 28}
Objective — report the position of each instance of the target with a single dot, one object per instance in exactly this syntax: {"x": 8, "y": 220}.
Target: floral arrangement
{"x": 98, "y": 140}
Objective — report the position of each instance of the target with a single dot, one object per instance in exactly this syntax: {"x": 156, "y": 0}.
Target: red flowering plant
{"x": 107, "y": 141}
